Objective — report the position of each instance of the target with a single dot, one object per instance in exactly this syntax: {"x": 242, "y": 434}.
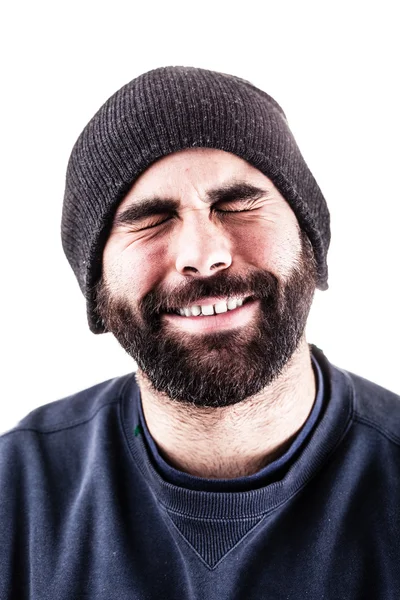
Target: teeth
{"x": 232, "y": 303}
{"x": 221, "y": 307}
{"x": 210, "y": 309}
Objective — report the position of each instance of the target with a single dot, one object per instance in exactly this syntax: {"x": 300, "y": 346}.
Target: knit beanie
{"x": 164, "y": 111}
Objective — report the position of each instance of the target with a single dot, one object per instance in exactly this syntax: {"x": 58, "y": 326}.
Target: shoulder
{"x": 73, "y": 410}
{"x": 371, "y": 405}
{"x": 58, "y": 441}
{"x": 376, "y": 406}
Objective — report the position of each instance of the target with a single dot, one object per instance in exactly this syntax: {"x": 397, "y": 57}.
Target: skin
{"x": 213, "y": 442}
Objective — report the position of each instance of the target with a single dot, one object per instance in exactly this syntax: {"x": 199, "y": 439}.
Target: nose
{"x": 203, "y": 248}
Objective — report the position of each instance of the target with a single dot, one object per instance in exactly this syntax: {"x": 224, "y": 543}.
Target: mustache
{"x": 260, "y": 284}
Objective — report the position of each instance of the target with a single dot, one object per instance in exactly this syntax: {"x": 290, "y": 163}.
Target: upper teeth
{"x": 211, "y": 309}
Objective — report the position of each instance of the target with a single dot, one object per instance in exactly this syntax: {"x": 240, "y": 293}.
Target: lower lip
{"x": 227, "y": 320}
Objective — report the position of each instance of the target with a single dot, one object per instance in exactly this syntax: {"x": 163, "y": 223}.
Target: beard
{"x": 219, "y": 368}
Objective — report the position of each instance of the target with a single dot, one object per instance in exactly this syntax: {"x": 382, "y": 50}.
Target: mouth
{"x": 208, "y": 307}
{"x": 228, "y": 318}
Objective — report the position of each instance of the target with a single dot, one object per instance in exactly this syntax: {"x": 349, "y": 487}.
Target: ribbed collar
{"x": 334, "y": 420}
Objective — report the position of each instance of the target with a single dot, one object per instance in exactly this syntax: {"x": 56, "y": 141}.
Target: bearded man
{"x": 236, "y": 462}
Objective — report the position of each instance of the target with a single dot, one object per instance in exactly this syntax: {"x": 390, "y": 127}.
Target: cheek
{"x": 274, "y": 248}
{"x": 134, "y": 271}
{"x": 287, "y": 252}
{"x": 287, "y": 248}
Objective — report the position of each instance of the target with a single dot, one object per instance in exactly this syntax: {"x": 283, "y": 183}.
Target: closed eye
{"x": 152, "y": 225}
{"x": 219, "y": 210}
{"x": 240, "y": 210}
{"x": 235, "y": 211}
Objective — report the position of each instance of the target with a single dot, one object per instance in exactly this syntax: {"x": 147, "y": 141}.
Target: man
{"x": 237, "y": 462}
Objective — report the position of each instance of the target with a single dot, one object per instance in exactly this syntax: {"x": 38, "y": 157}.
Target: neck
{"x": 235, "y": 441}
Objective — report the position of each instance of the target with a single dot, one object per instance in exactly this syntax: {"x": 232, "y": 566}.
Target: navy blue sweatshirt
{"x": 90, "y": 510}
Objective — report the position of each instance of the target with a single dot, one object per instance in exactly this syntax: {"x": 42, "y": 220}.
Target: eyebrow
{"x": 148, "y": 207}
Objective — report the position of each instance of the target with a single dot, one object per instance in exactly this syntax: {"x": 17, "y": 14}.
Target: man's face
{"x": 200, "y": 227}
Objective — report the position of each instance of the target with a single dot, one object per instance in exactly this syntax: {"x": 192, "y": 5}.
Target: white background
{"x": 334, "y": 68}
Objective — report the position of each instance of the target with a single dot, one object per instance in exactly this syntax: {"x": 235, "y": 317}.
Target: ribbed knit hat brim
{"x": 164, "y": 111}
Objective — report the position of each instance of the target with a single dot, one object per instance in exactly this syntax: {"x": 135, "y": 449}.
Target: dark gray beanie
{"x": 163, "y": 111}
